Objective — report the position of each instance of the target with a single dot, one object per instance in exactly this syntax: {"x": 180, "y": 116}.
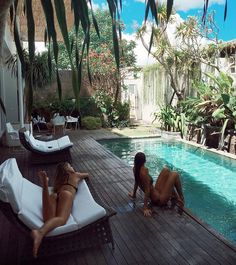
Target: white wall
{"x": 132, "y": 94}
{"x": 8, "y": 85}
{"x": 146, "y": 93}
{"x": 11, "y": 97}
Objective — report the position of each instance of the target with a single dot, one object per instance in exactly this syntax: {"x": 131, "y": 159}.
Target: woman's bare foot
{"x": 37, "y": 239}
{"x": 43, "y": 178}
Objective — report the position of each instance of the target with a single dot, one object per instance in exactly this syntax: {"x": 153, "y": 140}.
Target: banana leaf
{"x": 219, "y": 113}
{"x": 169, "y": 7}
{"x": 221, "y": 143}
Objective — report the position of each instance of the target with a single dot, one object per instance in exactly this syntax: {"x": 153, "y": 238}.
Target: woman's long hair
{"x": 61, "y": 175}
{"x": 139, "y": 161}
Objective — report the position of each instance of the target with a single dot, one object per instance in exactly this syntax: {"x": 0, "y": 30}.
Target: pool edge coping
{"x": 210, "y": 230}
{"x": 206, "y": 226}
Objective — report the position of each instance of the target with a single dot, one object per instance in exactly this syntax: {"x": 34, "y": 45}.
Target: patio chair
{"x": 58, "y": 123}
{"x": 72, "y": 120}
{"x": 21, "y": 203}
{"x": 39, "y": 123}
{"x": 46, "y": 151}
{"x": 12, "y": 136}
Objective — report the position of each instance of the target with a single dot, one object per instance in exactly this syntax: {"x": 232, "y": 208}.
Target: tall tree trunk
{"x": 4, "y": 7}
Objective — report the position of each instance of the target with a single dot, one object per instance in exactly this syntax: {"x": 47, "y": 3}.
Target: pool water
{"x": 208, "y": 179}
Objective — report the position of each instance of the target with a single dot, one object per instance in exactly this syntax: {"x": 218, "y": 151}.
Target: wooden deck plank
{"x": 166, "y": 238}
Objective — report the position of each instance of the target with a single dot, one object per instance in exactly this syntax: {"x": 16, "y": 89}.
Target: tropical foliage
{"x": 183, "y": 58}
{"x": 82, "y": 22}
{"x": 80, "y": 9}
{"x": 214, "y": 106}
{"x": 91, "y": 123}
{"x": 103, "y": 71}
{"x": 114, "y": 114}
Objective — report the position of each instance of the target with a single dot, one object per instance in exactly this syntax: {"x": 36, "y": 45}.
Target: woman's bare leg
{"x": 49, "y": 201}
{"x": 178, "y": 187}
{"x": 162, "y": 178}
{"x": 173, "y": 181}
{"x": 64, "y": 205}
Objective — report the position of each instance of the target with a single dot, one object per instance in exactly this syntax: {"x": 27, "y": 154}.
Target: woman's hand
{"x": 131, "y": 195}
{"x": 82, "y": 175}
{"x": 42, "y": 174}
{"x": 43, "y": 178}
{"x": 147, "y": 212}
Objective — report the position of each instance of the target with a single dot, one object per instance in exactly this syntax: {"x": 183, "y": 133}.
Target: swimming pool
{"x": 209, "y": 180}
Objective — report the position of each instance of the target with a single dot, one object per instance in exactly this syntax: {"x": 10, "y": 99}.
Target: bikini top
{"x": 68, "y": 184}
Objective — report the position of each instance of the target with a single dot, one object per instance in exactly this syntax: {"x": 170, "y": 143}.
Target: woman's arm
{"x": 82, "y": 175}
{"x": 147, "y": 187}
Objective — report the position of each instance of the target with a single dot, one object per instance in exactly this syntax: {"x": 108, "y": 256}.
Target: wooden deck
{"x": 166, "y": 238}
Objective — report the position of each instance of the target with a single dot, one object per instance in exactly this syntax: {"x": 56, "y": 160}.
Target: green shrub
{"x": 123, "y": 110}
{"x": 91, "y": 123}
{"x": 63, "y": 107}
{"x": 88, "y": 107}
{"x": 113, "y": 114}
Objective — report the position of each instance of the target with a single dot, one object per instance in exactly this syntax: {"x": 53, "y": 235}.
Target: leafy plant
{"x": 168, "y": 118}
{"x": 91, "y": 123}
{"x": 113, "y": 114}
{"x": 88, "y": 107}
{"x": 56, "y": 13}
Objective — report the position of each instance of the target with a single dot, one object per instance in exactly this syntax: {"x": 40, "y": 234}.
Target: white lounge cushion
{"x": 71, "y": 119}
{"x": 49, "y": 146}
{"x": 52, "y": 146}
{"x": 31, "y": 211}
{"x": 58, "y": 120}
{"x": 26, "y": 200}
{"x": 10, "y": 128}
{"x": 11, "y": 183}
{"x": 85, "y": 210}
{"x": 64, "y": 142}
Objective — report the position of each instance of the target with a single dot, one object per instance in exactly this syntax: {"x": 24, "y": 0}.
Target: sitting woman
{"x": 167, "y": 186}
{"x": 56, "y": 206}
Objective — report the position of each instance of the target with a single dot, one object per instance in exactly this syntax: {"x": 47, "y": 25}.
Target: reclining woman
{"x": 167, "y": 186}
{"x": 56, "y": 206}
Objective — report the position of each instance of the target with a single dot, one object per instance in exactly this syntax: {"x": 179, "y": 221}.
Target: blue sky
{"x": 133, "y": 13}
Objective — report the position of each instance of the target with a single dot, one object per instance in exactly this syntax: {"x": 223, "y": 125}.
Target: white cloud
{"x": 142, "y": 56}
{"x": 97, "y": 6}
{"x": 185, "y": 5}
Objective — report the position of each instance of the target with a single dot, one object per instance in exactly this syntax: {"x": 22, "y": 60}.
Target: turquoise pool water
{"x": 209, "y": 180}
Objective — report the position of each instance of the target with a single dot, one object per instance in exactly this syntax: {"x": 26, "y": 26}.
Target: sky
{"x": 133, "y": 14}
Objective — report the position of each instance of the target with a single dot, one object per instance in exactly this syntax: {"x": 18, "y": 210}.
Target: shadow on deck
{"x": 166, "y": 238}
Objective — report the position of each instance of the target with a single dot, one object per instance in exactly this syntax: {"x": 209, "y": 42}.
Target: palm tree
{"x": 81, "y": 17}
{"x": 37, "y": 72}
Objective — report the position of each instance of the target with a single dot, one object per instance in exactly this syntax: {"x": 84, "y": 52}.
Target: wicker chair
{"x": 95, "y": 234}
{"x": 92, "y": 231}
{"x": 46, "y": 152}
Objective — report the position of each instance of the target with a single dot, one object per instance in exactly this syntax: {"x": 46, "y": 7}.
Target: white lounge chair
{"x": 72, "y": 120}
{"x": 12, "y": 135}
{"x": 21, "y": 202}
{"x": 55, "y": 150}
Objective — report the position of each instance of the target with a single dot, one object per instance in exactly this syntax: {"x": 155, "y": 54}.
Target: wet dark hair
{"x": 139, "y": 161}
{"x": 61, "y": 175}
